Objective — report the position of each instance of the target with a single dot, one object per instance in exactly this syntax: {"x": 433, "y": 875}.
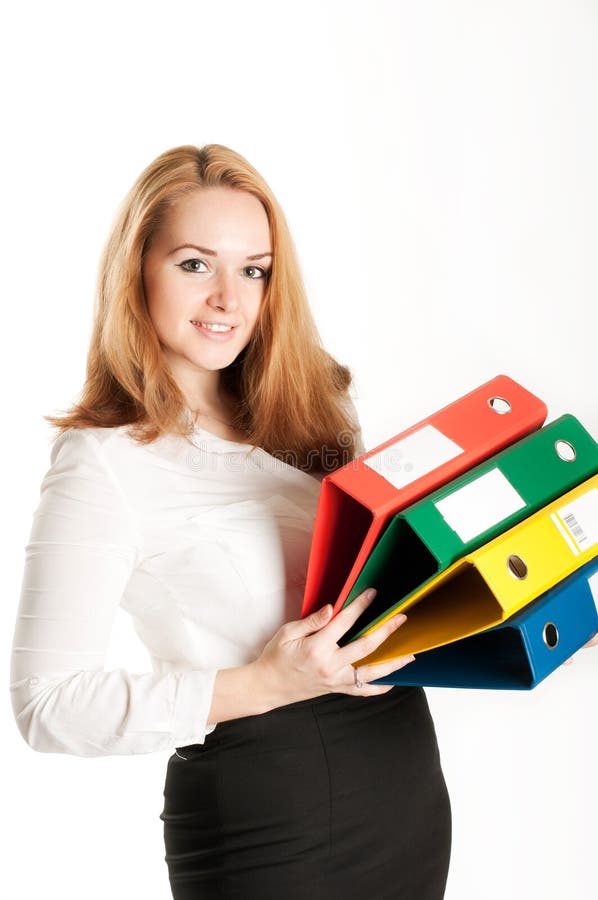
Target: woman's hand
{"x": 303, "y": 659}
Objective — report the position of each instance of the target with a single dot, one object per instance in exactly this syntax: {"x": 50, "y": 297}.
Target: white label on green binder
{"x": 578, "y": 521}
{"x": 408, "y": 459}
{"x": 593, "y": 582}
{"x": 479, "y": 505}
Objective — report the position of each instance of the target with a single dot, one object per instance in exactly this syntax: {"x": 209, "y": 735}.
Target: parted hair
{"x": 292, "y": 395}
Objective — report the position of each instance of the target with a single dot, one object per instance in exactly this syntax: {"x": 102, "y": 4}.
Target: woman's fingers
{"x": 307, "y": 649}
{"x": 366, "y": 644}
{"x": 348, "y": 616}
{"x": 371, "y": 690}
{"x": 300, "y": 628}
{"x": 340, "y": 623}
{"x": 367, "y": 674}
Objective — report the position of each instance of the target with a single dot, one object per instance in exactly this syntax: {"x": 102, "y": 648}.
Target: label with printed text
{"x": 578, "y": 521}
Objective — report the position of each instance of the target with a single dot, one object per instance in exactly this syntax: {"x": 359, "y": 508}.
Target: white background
{"x": 437, "y": 165}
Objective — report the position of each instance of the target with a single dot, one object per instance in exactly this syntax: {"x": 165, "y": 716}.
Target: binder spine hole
{"x": 550, "y": 635}
{"x": 517, "y": 567}
{"x": 565, "y": 450}
{"x": 499, "y": 405}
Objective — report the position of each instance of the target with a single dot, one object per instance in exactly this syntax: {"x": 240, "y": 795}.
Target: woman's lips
{"x": 215, "y": 335}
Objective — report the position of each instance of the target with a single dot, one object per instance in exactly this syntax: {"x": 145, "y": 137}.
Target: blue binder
{"x": 519, "y": 653}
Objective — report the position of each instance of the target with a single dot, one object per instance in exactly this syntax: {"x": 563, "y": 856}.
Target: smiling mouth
{"x": 216, "y": 327}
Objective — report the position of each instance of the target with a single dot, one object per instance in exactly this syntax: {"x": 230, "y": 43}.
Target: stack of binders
{"x": 482, "y": 526}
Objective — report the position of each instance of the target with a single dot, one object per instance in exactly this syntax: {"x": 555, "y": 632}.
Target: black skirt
{"x": 336, "y": 797}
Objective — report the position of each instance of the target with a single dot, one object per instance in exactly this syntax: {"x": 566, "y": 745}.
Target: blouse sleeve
{"x": 83, "y": 547}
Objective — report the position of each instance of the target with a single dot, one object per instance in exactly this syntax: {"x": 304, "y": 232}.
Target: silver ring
{"x": 358, "y": 683}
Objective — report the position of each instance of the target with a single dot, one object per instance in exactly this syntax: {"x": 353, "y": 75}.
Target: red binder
{"x": 358, "y": 500}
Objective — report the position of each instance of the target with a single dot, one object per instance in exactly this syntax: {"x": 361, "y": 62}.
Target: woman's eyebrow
{"x": 209, "y": 252}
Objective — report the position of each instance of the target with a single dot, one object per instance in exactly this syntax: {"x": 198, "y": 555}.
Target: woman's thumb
{"x": 300, "y": 628}
{"x": 320, "y": 616}
{"x": 311, "y": 623}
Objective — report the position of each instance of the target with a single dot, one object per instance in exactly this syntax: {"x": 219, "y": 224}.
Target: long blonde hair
{"x": 291, "y": 394}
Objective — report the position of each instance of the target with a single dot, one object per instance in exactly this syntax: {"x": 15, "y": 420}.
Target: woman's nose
{"x": 225, "y": 291}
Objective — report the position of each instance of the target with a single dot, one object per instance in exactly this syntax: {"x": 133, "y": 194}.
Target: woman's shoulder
{"x": 97, "y": 464}
{"x": 116, "y": 450}
{"x": 88, "y": 440}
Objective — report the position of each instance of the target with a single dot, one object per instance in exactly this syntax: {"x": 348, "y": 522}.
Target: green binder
{"x": 432, "y": 534}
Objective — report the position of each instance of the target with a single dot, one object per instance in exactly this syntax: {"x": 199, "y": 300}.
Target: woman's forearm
{"x": 244, "y": 691}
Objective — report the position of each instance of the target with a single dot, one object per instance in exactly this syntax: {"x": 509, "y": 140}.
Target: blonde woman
{"x": 183, "y": 487}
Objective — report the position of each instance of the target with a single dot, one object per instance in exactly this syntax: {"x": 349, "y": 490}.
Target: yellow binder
{"x": 489, "y": 585}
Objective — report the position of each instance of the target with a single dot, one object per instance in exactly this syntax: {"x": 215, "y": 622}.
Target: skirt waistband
{"x": 325, "y": 704}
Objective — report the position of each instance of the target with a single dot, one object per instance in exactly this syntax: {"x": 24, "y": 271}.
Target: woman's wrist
{"x": 247, "y": 690}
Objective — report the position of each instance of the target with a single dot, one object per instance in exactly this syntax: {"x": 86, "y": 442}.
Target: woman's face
{"x": 207, "y": 266}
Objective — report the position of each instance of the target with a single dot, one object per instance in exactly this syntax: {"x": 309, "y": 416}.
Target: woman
{"x": 183, "y": 486}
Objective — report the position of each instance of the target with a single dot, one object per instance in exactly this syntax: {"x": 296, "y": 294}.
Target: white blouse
{"x": 204, "y": 543}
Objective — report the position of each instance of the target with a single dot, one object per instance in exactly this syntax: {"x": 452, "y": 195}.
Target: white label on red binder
{"x": 479, "y": 505}
{"x": 410, "y": 458}
{"x": 593, "y": 582}
{"x": 578, "y": 521}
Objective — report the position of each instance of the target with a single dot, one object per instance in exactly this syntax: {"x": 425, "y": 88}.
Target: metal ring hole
{"x": 499, "y": 405}
{"x": 550, "y": 635}
{"x": 565, "y": 450}
{"x": 517, "y": 567}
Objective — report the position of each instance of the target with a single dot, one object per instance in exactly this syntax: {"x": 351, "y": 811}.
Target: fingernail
{"x": 371, "y": 594}
{"x": 325, "y": 611}
{"x": 400, "y": 619}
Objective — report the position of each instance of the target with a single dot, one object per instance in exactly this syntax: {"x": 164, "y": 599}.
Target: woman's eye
{"x": 261, "y": 273}
{"x": 191, "y": 265}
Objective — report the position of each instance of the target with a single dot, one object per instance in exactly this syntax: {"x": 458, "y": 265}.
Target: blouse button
{"x": 34, "y": 681}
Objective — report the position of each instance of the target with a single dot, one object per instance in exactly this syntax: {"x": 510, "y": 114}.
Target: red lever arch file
{"x": 358, "y": 500}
